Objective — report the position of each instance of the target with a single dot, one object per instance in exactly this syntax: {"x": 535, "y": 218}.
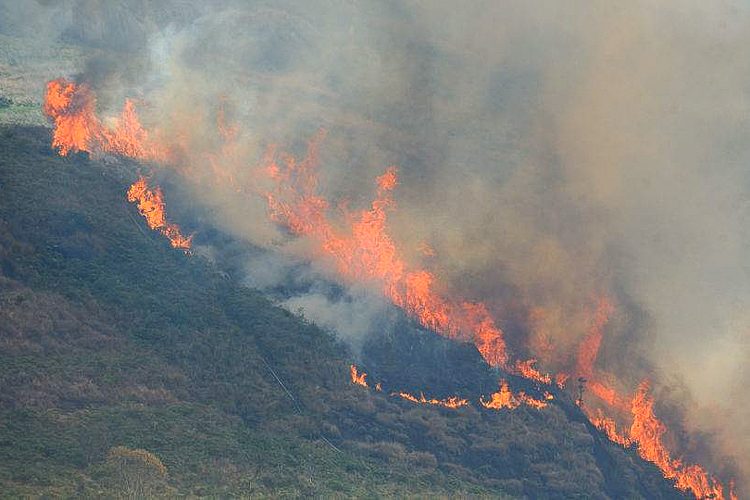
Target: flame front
{"x": 529, "y": 371}
{"x": 647, "y": 430}
{"x": 504, "y": 398}
{"x": 452, "y": 402}
{"x": 151, "y": 206}
{"x": 366, "y": 251}
{"x": 72, "y": 107}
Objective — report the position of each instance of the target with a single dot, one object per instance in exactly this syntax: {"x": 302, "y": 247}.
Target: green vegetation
{"x": 128, "y": 368}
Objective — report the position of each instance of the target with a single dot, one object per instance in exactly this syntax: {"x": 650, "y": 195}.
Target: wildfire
{"x": 452, "y": 402}
{"x": 646, "y": 430}
{"x": 151, "y": 206}
{"x": 561, "y": 379}
{"x": 367, "y": 252}
{"x": 528, "y": 370}
{"x": 609, "y": 427}
{"x": 504, "y": 398}
{"x": 72, "y": 107}
{"x": 363, "y": 250}
{"x": 356, "y": 377}
{"x": 589, "y": 349}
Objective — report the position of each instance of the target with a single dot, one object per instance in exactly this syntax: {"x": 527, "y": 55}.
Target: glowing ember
{"x": 357, "y": 378}
{"x": 151, "y": 206}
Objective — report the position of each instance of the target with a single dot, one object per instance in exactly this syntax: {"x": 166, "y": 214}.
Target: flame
{"x": 151, "y": 206}
{"x": 228, "y": 159}
{"x": 452, "y": 402}
{"x": 561, "y": 379}
{"x": 646, "y": 431}
{"x": 367, "y": 252}
{"x": 589, "y": 348}
{"x": 72, "y": 107}
{"x": 527, "y": 370}
{"x": 609, "y": 427}
{"x": 588, "y": 352}
{"x": 504, "y": 398}
{"x": 357, "y": 378}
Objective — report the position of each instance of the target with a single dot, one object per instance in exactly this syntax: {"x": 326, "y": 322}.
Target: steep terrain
{"x": 111, "y": 338}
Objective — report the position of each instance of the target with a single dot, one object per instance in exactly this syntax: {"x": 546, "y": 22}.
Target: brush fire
{"x": 362, "y": 250}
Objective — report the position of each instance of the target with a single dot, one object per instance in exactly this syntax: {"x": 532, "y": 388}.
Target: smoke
{"x": 548, "y": 156}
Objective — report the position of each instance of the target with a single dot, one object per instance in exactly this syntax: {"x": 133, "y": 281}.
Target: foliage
{"x": 136, "y": 474}
{"x": 113, "y": 343}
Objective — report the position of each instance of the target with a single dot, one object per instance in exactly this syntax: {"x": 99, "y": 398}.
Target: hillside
{"x": 110, "y": 338}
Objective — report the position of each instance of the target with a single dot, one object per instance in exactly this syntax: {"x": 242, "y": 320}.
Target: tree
{"x": 136, "y": 473}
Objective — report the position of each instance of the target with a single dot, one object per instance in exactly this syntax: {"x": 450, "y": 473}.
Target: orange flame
{"x": 151, "y": 206}
{"x": 609, "y": 427}
{"x": 367, "y": 252}
{"x": 452, "y": 402}
{"x": 528, "y": 370}
{"x": 357, "y": 378}
{"x": 72, "y": 107}
{"x": 589, "y": 350}
{"x": 504, "y": 398}
{"x": 590, "y": 346}
{"x": 646, "y": 430}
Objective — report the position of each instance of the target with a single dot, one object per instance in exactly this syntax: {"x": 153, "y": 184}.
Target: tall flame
{"x": 646, "y": 430}
{"x": 367, "y": 252}
{"x": 72, "y": 107}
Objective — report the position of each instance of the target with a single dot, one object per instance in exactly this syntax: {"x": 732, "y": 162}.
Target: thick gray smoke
{"x": 548, "y": 154}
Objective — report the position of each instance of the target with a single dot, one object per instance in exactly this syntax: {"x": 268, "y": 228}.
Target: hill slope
{"x": 110, "y": 338}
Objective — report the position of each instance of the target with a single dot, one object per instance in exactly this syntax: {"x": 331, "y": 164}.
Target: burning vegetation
{"x": 362, "y": 250}
{"x": 150, "y": 202}
{"x": 72, "y": 107}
